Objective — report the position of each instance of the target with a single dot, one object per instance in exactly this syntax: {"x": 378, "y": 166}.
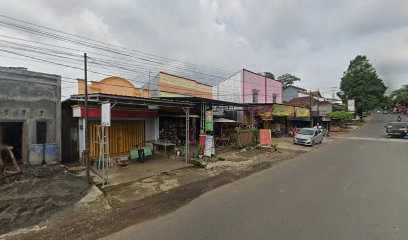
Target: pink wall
{"x": 260, "y": 83}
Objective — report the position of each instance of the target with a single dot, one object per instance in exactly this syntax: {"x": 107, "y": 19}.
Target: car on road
{"x": 397, "y": 129}
{"x": 308, "y": 136}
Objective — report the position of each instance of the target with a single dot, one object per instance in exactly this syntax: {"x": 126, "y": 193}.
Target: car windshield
{"x": 306, "y": 132}
{"x": 397, "y": 125}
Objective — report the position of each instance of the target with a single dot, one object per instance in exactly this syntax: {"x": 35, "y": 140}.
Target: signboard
{"x": 283, "y": 110}
{"x": 208, "y": 146}
{"x": 106, "y": 114}
{"x": 265, "y": 136}
{"x": 326, "y": 119}
{"x": 266, "y": 116}
{"x": 351, "y": 105}
{"x": 209, "y": 121}
{"x": 325, "y": 109}
{"x": 302, "y": 112}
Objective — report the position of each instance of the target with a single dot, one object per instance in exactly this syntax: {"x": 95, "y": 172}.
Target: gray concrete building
{"x": 291, "y": 92}
{"x": 30, "y": 109}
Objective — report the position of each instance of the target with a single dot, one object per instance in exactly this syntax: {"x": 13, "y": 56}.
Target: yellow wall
{"x": 174, "y": 86}
{"x": 123, "y": 135}
{"x": 113, "y": 85}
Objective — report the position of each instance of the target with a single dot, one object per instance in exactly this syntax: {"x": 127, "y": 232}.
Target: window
{"x": 273, "y": 98}
{"x": 41, "y": 132}
{"x": 254, "y": 96}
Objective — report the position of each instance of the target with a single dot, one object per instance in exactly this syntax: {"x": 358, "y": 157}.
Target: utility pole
{"x": 150, "y": 89}
{"x": 310, "y": 108}
{"x": 318, "y": 110}
{"x": 86, "y": 151}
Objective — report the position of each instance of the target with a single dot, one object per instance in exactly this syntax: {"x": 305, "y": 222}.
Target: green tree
{"x": 400, "y": 96}
{"x": 387, "y": 102}
{"x": 268, "y": 74}
{"x": 362, "y": 83}
{"x": 341, "y": 115}
{"x": 288, "y": 79}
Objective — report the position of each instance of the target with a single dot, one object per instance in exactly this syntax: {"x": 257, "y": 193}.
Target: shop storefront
{"x": 172, "y": 128}
{"x": 134, "y": 122}
{"x": 129, "y": 128}
{"x": 301, "y": 118}
{"x": 281, "y": 113}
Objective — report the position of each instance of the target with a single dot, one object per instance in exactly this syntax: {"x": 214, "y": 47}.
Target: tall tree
{"x": 288, "y": 79}
{"x": 400, "y": 96}
{"x": 362, "y": 83}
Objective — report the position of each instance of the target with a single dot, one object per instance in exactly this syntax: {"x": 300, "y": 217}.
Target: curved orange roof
{"x": 117, "y": 80}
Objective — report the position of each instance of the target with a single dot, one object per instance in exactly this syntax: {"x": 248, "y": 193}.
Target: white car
{"x": 308, "y": 136}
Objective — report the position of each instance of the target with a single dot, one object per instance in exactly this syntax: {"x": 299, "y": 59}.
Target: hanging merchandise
{"x": 209, "y": 126}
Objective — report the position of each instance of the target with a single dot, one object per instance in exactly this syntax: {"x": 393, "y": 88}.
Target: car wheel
{"x": 321, "y": 141}
{"x": 313, "y": 143}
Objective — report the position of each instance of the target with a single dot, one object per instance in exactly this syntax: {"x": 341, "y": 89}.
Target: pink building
{"x": 249, "y": 87}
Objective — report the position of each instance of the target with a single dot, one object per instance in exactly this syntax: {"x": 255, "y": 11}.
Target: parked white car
{"x": 308, "y": 136}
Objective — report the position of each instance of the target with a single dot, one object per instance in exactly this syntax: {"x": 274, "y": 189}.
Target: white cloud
{"x": 314, "y": 40}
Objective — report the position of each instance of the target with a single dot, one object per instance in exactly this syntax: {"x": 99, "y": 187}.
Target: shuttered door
{"x": 123, "y": 135}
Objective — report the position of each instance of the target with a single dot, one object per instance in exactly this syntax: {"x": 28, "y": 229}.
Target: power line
{"x": 60, "y": 54}
{"x": 104, "y": 43}
{"x": 87, "y": 44}
{"x": 167, "y": 68}
{"x": 106, "y": 63}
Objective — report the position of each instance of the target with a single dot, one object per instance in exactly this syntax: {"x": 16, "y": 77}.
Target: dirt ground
{"x": 148, "y": 198}
{"x": 36, "y": 194}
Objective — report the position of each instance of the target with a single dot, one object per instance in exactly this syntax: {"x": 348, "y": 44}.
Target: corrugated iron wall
{"x": 123, "y": 135}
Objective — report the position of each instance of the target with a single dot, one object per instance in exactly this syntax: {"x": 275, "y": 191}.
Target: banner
{"x": 209, "y": 121}
{"x": 265, "y": 137}
{"x": 283, "y": 110}
{"x": 302, "y": 112}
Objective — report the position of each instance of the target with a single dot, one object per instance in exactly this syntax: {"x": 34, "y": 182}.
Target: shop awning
{"x": 177, "y": 115}
{"x": 128, "y": 100}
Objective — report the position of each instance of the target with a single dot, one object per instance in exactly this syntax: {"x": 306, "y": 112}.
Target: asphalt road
{"x": 353, "y": 188}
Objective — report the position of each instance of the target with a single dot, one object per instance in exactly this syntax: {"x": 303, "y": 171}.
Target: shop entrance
{"x": 11, "y": 134}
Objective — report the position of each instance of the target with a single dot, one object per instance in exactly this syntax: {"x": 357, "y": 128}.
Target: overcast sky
{"x": 314, "y": 40}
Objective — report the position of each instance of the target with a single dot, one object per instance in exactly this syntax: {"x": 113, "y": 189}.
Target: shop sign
{"x": 106, "y": 114}
{"x": 326, "y": 119}
{"x": 325, "y": 109}
{"x": 265, "y": 137}
{"x": 266, "y": 116}
{"x": 209, "y": 121}
{"x": 302, "y": 112}
{"x": 283, "y": 110}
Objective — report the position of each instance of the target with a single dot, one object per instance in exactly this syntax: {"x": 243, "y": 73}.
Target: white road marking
{"x": 377, "y": 139}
